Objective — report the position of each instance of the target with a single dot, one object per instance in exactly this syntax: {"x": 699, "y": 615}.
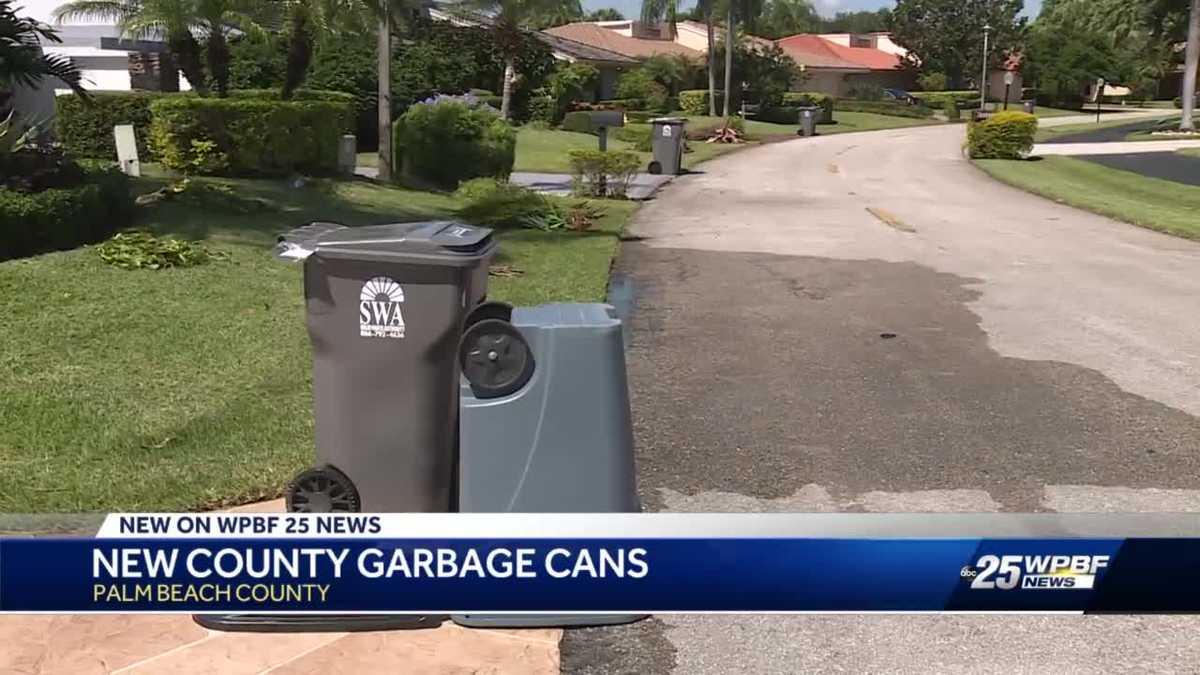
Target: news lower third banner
{"x": 603, "y": 564}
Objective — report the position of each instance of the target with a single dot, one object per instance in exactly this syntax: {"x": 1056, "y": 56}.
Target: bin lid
{"x": 442, "y": 242}
{"x": 668, "y": 120}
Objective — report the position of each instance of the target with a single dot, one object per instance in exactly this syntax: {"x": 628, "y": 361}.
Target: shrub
{"x": 63, "y": 218}
{"x": 86, "y": 130}
{"x": 443, "y": 144}
{"x": 640, "y": 88}
{"x": 579, "y": 122}
{"x": 542, "y": 109}
{"x": 142, "y": 250}
{"x": 568, "y": 84}
{"x": 892, "y": 108}
{"x": 937, "y": 99}
{"x": 640, "y": 116}
{"x": 825, "y": 101}
{"x": 931, "y": 81}
{"x": 950, "y": 107}
{"x": 493, "y": 203}
{"x": 248, "y": 136}
{"x": 780, "y": 114}
{"x": 598, "y": 174}
{"x": 695, "y": 101}
{"x": 1005, "y": 135}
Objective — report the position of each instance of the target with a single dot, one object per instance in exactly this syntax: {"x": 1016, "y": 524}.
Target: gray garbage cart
{"x": 808, "y": 120}
{"x": 666, "y": 140}
{"x": 572, "y": 450}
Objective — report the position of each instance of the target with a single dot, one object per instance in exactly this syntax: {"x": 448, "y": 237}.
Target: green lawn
{"x": 846, "y": 122}
{"x": 189, "y": 388}
{"x": 1149, "y": 202}
{"x": 1189, "y": 152}
{"x": 1047, "y": 133}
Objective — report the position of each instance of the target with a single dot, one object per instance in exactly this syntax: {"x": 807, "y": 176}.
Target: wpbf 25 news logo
{"x": 1035, "y": 572}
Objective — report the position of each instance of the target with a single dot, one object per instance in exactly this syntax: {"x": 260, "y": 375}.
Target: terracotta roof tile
{"x": 817, "y": 52}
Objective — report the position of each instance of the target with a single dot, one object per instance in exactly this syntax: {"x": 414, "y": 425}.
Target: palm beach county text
{"x": 307, "y": 572}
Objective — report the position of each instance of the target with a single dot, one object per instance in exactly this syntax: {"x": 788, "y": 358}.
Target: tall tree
{"x": 947, "y": 35}
{"x": 509, "y": 19}
{"x": 781, "y": 18}
{"x": 863, "y": 21}
{"x": 746, "y": 11}
{"x": 1190, "y": 63}
{"x": 605, "y": 14}
{"x": 22, "y": 62}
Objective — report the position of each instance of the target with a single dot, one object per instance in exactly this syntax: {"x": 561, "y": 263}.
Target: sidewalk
{"x": 138, "y": 644}
{"x": 1114, "y": 148}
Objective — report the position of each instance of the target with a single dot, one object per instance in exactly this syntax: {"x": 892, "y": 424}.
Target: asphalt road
{"x": 1043, "y": 359}
{"x": 1165, "y": 165}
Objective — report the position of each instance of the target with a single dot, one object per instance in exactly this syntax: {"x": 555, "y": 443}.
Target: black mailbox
{"x": 602, "y": 119}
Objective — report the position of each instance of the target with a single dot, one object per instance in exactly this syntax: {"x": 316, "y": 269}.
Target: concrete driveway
{"x": 867, "y": 323}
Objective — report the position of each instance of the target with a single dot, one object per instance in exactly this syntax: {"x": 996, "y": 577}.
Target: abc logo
{"x": 967, "y": 572}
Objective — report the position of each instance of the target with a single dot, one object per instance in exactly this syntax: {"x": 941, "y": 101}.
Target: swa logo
{"x": 1035, "y": 572}
{"x": 379, "y": 312}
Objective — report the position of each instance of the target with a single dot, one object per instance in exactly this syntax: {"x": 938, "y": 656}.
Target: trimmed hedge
{"x": 810, "y": 98}
{"x": 443, "y": 144}
{"x": 63, "y": 218}
{"x": 639, "y": 135}
{"x": 780, "y": 114}
{"x": 87, "y": 130}
{"x": 1004, "y": 135}
{"x": 248, "y": 136}
{"x": 695, "y": 101}
{"x": 937, "y": 99}
{"x": 884, "y": 108}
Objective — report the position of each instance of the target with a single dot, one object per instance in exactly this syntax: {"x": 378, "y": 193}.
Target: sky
{"x": 631, "y": 8}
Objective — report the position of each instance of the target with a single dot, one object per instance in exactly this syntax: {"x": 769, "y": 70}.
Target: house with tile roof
{"x": 836, "y": 63}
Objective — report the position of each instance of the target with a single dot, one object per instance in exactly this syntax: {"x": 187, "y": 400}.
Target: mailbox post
{"x": 601, "y": 121}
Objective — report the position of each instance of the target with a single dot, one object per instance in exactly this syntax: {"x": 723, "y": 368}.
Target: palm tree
{"x": 508, "y": 20}
{"x": 22, "y": 62}
{"x": 1190, "y": 62}
{"x": 747, "y": 11}
{"x": 179, "y": 23}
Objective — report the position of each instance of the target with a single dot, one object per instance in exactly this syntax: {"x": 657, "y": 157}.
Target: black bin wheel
{"x": 322, "y": 489}
{"x": 495, "y": 358}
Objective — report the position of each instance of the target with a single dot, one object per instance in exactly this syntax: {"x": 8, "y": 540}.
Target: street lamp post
{"x": 984, "y": 76}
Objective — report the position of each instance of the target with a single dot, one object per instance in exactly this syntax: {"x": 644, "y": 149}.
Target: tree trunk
{"x": 510, "y": 74}
{"x": 1190, "y": 63}
{"x": 299, "y": 55}
{"x": 729, "y": 33}
{"x": 187, "y": 53}
{"x": 712, "y": 65}
{"x": 218, "y": 61}
{"x": 383, "y": 56}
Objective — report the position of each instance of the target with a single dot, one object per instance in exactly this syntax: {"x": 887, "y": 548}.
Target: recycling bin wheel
{"x": 322, "y": 490}
{"x": 489, "y": 310}
{"x": 495, "y": 358}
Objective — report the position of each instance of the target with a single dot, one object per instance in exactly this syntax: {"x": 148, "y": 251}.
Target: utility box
{"x": 386, "y": 306}
{"x": 808, "y": 120}
{"x": 666, "y": 141}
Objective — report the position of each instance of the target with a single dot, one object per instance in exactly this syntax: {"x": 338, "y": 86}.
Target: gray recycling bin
{"x": 386, "y": 306}
{"x": 808, "y": 121}
{"x": 1029, "y": 106}
{"x": 572, "y": 450}
{"x": 666, "y": 140}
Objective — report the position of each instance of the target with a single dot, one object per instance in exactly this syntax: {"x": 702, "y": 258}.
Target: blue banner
{"x": 601, "y": 575}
